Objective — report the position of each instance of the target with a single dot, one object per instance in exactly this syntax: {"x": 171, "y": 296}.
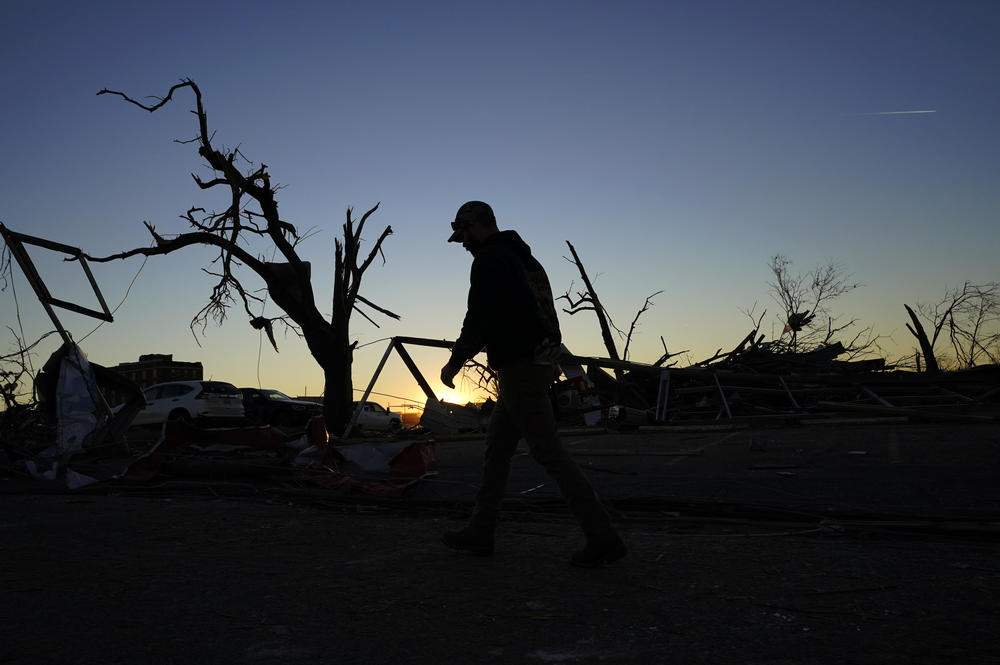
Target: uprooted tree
{"x": 251, "y": 213}
{"x": 971, "y": 317}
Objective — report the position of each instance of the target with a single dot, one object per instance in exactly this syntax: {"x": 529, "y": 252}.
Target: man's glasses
{"x": 460, "y": 226}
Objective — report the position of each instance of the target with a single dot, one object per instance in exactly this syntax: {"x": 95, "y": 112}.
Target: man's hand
{"x": 448, "y": 373}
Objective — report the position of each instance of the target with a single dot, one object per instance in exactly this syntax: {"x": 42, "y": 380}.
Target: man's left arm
{"x": 481, "y": 307}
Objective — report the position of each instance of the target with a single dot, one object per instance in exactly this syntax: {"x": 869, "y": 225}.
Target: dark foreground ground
{"x": 181, "y": 572}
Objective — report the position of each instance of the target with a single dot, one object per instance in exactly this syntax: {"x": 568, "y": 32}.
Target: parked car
{"x": 191, "y": 401}
{"x": 376, "y": 417}
{"x": 273, "y": 407}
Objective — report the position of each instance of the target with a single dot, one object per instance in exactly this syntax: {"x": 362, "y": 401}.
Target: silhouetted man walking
{"x": 512, "y": 314}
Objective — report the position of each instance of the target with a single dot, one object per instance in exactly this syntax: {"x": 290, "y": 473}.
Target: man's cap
{"x": 471, "y": 211}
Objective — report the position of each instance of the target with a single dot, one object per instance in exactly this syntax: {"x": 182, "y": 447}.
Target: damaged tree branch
{"x": 645, "y": 306}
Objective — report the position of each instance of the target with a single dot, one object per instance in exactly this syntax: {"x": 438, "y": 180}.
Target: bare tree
{"x": 251, "y": 214}
{"x": 628, "y": 337}
{"x": 588, "y": 301}
{"x": 15, "y": 375}
{"x": 16, "y": 370}
{"x": 23, "y": 426}
{"x": 805, "y": 300}
{"x": 970, "y": 315}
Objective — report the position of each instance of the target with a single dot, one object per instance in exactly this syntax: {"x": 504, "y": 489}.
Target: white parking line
{"x": 675, "y": 460}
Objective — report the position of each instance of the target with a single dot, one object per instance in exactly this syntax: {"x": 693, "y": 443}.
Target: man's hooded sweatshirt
{"x": 511, "y": 311}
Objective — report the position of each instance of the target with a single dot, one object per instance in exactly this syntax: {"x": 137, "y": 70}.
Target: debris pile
{"x": 442, "y": 417}
{"x": 188, "y": 454}
{"x": 756, "y": 384}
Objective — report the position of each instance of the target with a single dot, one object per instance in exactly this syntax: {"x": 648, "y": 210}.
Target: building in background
{"x": 154, "y": 368}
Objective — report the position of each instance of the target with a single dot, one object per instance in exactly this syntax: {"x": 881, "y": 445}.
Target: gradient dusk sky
{"x": 677, "y": 145}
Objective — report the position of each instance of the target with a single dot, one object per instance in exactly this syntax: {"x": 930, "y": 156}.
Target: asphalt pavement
{"x": 875, "y": 471}
{"x": 872, "y": 544}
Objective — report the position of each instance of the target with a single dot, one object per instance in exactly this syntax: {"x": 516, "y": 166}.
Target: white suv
{"x": 375, "y": 416}
{"x": 191, "y": 400}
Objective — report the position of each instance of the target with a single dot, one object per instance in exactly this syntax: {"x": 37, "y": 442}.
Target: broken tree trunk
{"x": 917, "y": 330}
{"x": 602, "y": 319}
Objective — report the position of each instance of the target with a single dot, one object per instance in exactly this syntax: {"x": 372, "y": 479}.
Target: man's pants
{"x": 524, "y": 410}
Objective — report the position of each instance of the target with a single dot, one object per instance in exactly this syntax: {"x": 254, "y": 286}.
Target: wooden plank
{"x": 909, "y": 413}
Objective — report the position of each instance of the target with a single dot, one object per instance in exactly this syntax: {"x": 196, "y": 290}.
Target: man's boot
{"x": 600, "y": 551}
{"x": 477, "y": 541}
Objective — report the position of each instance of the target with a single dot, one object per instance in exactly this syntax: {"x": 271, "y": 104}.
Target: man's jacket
{"x": 511, "y": 311}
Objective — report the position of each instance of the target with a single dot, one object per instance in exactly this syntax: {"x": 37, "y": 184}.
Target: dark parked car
{"x": 272, "y": 407}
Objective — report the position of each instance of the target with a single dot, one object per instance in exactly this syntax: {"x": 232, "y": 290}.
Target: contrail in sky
{"x": 899, "y": 112}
